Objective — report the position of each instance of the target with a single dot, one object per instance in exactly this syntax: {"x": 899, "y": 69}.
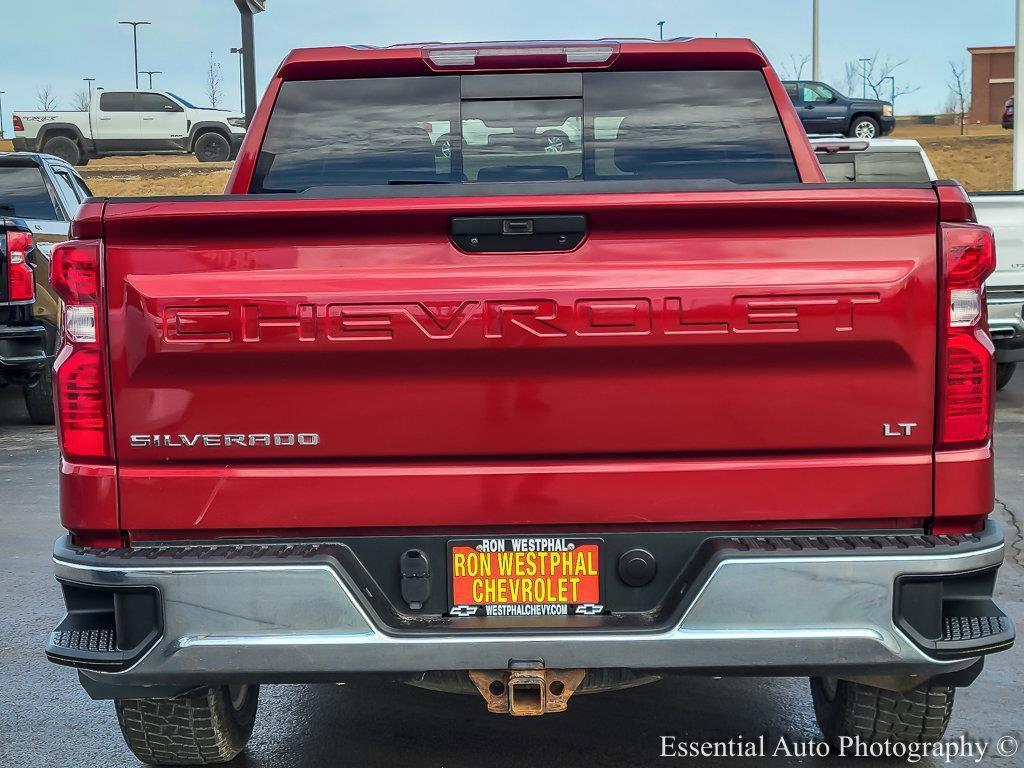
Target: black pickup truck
{"x": 823, "y": 110}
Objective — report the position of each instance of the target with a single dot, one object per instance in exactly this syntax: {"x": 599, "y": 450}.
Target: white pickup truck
{"x": 904, "y": 160}
{"x": 131, "y": 123}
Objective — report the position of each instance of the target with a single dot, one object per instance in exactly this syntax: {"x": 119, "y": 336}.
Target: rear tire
{"x": 864, "y": 127}
{"x": 212, "y": 148}
{"x": 39, "y": 398}
{"x": 64, "y": 148}
{"x": 874, "y": 715}
{"x": 1004, "y": 372}
{"x": 204, "y": 729}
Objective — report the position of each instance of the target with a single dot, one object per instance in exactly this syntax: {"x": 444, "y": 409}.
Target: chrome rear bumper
{"x": 755, "y": 614}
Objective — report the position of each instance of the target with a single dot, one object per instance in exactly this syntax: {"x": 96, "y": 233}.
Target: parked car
{"x": 39, "y": 195}
{"x": 823, "y": 110}
{"x": 905, "y": 161}
{"x": 1008, "y": 114}
{"x": 549, "y": 138}
{"x": 131, "y": 123}
{"x": 543, "y": 428}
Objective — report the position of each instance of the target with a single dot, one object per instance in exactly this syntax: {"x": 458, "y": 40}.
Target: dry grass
{"x": 980, "y": 160}
{"x": 981, "y": 164}
{"x": 155, "y": 175}
{"x": 179, "y": 181}
{"x": 910, "y": 130}
{"x": 152, "y": 162}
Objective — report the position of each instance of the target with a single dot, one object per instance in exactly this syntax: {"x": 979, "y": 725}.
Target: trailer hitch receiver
{"x": 526, "y": 689}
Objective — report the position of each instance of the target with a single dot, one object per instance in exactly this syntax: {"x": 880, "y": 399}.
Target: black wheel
{"x": 555, "y": 142}
{"x": 212, "y": 148}
{"x": 864, "y": 127}
{"x": 64, "y": 148}
{"x": 1004, "y": 372}
{"x": 39, "y": 398}
{"x": 207, "y": 728}
{"x": 875, "y": 715}
{"x": 443, "y": 147}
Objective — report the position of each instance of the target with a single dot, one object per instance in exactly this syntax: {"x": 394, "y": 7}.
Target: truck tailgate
{"x": 701, "y": 357}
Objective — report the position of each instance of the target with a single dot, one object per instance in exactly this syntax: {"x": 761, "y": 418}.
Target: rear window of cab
{"x": 24, "y": 194}
{"x": 605, "y": 127}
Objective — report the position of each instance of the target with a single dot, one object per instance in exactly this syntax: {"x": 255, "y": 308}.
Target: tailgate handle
{"x": 517, "y": 227}
{"x": 504, "y": 234}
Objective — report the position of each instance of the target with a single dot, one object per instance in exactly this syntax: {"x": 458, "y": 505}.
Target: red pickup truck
{"x": 526, "y": 420}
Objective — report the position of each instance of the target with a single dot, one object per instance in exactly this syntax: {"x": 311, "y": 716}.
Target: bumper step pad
{"x": 104, "y": 629}
{"x": 953, "y": 617}
{"x": 95, "y": 640}
{"x": 959, "y": 628}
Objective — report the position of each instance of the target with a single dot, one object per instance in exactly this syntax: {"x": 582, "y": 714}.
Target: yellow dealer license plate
{"x": 528, "y": 576}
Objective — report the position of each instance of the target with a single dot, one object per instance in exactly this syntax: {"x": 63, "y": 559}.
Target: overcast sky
{"x": 58, "y": 42}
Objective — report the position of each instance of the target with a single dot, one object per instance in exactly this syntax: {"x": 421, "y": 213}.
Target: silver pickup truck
{"x": 904, "y": 160}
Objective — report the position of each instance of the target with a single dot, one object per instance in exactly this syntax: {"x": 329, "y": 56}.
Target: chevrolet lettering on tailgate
{"x": 496, "y": 319}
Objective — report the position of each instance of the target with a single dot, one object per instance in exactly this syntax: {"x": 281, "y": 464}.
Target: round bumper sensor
{"x": 637, "y": 567}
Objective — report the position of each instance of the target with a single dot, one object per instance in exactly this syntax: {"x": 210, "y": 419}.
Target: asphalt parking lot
{"x": 47, "y": 720}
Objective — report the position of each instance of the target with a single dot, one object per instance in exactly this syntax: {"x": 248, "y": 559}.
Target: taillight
{"x": 75, "y": 271}
{"x": 18, "y": 125}
{"x": 79, "y": 375}
{"x": 966, "y": 385}
{"x": 21, "y": 281}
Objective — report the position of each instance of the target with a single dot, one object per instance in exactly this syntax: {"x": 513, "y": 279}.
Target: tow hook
{"x": 526, "y": 688}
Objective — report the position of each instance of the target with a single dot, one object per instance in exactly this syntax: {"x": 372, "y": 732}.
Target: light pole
{"x": 135, "y": 44}
{"x": 2, "y": 114}
{"x": 864, "y": 63}
{"x": 661, "y": 30}
{"x": 241, "y": 78}
{"x": 150, "y": 72}
{"x": 815, "y": 48}
{"x": 246, "y": 10}
{"x": 89, "y": 81}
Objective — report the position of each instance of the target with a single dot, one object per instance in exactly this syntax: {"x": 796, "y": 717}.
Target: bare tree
{"x": 214, "y": 82}
{"x": 794, "y": 68}
{"x": 851, "y": 77}
{"x": 45, "y": 98}
{"x": 873, "y": 76}
{"x": 959, "y": 101}
{"x": 80, "y": 100}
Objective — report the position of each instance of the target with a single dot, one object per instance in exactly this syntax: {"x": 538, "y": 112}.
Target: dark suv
{"x": 823, "y": 110}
